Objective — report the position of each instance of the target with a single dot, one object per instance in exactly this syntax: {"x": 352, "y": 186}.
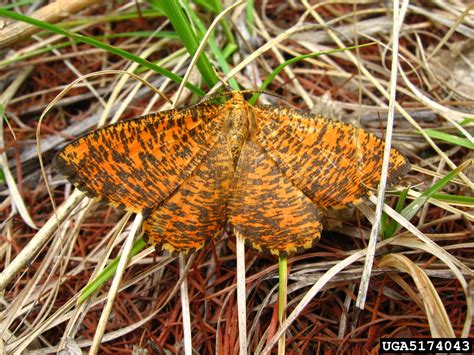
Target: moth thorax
{"x": 238, "y": 131}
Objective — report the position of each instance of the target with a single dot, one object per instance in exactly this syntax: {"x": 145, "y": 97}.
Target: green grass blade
{"x": 282, "y": 295}
{"x": 467, "y": 121}
{"x": 98, "y": 44}
{"x": 218, "y": 54}
{"x": 279, "y": 68}
{"x": 216, "y": 51}
{"x": 182, "y": 26}
{"x": 16, "y": 4}
{"x": 412, "y": 209}
{"x": 211, "y": 5}
{"x": 450, "y": 138}
{"x": 462, "y": 200}
{"x": 146, "y": 13}
{"x": 140, "y": 34}
{"x": 108, "y": 272}
{"x": 389, "y": 227}
{"x": 249, "y": 16}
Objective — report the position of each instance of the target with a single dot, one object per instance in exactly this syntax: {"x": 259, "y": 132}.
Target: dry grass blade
{"x": 15, "y": 195}
{"x": 188, "y": 345}
{"x": 398, "y": 16}
{"x": 241, "y": 295}
{"x": 438, "y": 319}
{"x": 454, "y": 265}
{"x": 130, "y": 72}
{"x": 31, "y": 249}
{"x": 115, "y": 285}
{"x": 258, "y": 52}
{"x": 51, "y": 13}
{"x": 202, "y": 44}
{"x": 311, "y": 294}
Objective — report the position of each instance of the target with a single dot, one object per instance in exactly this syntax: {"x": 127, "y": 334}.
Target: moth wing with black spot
{"x": 196, "y": 211}
{"x": 267, "y": 210}
{"x": 331, "y": 162}
{"x": 136, "y": 164}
